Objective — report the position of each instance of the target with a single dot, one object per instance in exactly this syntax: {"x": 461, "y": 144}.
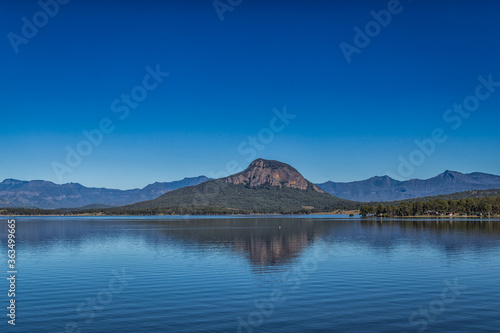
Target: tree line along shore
{"x": 486, "y": 206}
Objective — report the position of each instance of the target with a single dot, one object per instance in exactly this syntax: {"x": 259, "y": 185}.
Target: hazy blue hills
{"x": 47, "y": 195}
{"x": 387, "y": 189}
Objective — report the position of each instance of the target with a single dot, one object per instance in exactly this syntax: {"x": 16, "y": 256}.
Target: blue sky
{"x": 352, "y": 120}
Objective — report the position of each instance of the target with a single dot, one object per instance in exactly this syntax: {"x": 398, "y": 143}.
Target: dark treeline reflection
{"x": 448, "y": 235}
{"x": 266, "y": 242}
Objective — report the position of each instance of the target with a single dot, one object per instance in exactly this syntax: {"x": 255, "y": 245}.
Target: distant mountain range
{"x": 261, "y": 174}
{"x": 47, "y": 195}
{"x": 387, "y": 189}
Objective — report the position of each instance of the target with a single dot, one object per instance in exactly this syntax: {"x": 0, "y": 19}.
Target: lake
{"x": 253, "y": 274}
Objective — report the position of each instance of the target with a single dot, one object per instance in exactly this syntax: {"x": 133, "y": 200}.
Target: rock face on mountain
{"x": 387, "y": 189}
{"x": 44, "y": 194}
{"x": 264, "y": 187}
{"x": 267, "y": 172}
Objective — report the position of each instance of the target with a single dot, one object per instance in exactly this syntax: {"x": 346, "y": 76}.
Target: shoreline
{"x": 437, "y": 217}
{"x": 343, "y": 212}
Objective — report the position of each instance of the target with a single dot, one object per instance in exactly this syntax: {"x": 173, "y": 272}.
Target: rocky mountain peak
{"x": 268, "y": 172}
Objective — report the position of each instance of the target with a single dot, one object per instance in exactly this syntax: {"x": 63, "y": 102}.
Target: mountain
{"x": 264, "y": 187}
{"x": 387, "y": 189}
{"x": 47, "y": 195}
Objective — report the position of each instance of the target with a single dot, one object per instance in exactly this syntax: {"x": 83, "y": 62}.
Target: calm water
{"x": 252, "y": 274}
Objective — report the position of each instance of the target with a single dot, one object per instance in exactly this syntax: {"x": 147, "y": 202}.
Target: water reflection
{"x": 265, "y": 242}
{"x": 201, "y": 274}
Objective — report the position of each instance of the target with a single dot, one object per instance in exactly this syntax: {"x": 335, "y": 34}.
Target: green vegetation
{"x": 27, "y": 211}
{"x": 435, "y": 206}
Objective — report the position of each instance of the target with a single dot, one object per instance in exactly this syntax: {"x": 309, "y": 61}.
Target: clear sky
{"x": 353, "y": 119}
